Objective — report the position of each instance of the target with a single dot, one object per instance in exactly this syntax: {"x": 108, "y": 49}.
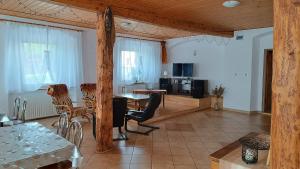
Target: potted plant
{"x": 218, "y": 92}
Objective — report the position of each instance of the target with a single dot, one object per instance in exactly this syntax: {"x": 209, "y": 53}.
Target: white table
{"x": 31, "y": 145}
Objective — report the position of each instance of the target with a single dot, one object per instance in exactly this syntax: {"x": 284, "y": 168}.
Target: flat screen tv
{"x": 187, "y": 69}
{"x": 183, "y": 69}
{"x": 177, "y": 69}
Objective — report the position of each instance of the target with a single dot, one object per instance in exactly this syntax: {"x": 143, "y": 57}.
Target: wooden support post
{"x": 297, "y": 2}
{"x": 285, "y": 132}
{"x": 104, "y": 93}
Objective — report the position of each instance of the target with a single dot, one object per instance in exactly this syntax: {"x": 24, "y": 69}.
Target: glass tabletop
{"x": 134, "y": 96}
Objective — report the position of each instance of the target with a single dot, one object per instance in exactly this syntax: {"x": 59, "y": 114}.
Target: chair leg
{"x": 143, "y": 125}
{"x": 122, "y": 136}
{"x": 87, "y": 117}
{"x": 55, "y": 123}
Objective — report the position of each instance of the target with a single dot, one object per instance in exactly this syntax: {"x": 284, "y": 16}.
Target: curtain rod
{"x": 123, "y": 36}
{"x": 29, "y": 23}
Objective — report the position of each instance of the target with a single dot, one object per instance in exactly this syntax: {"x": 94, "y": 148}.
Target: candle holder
{"x": 251, "y": 145}
{"x": 249, "y": 154}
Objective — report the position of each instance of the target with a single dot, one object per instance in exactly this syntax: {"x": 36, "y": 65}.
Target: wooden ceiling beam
{"x": 146, "y": 17}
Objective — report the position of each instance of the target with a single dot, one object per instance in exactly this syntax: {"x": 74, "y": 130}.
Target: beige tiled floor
{"x": 182, "y": 143}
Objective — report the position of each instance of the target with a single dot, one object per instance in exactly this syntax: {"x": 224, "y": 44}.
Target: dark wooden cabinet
{"x": 165, "y": 84}
{"x": 184, "y": 86}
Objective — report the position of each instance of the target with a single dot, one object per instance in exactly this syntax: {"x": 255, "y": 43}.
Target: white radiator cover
{"x": 39, "y": 104}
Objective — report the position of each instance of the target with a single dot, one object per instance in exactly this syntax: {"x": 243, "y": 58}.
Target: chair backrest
{"x": 60, "y": 96}
{"x": 19, "y": 112}
{"x": 17, "y": 107}
{"x": 154, "y": 102}
{"x": 63, "y": 124}
{"x": 89, "y": 94}
{"x": 75, "y": 133}
{"x": 23, "y": 112}
{"x": 119, "y": 111}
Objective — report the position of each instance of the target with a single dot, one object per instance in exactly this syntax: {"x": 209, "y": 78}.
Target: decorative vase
{"x": 217, "y": 104}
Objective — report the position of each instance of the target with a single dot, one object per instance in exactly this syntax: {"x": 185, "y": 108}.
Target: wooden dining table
{"x": 31, "y": 145}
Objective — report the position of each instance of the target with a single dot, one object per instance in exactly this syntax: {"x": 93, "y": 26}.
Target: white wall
{"x": 261, "y": 42}
{"x": 206, "y": 52}
{"x": 244, "y": 69}
{"x": 237, "y": 64}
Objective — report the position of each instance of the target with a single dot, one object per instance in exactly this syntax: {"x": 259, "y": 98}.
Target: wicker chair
{"x": 89, "y": 96}
{"x": 63, "y": 103}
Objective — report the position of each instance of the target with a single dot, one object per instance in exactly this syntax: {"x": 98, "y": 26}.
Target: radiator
{"x": 39, "y": 104}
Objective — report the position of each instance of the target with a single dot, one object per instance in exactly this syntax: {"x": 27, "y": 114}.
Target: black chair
{"x": 142, "y": 116}
{"x": 119, "y": 111}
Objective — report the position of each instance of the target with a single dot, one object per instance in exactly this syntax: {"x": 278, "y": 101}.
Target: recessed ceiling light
{"x": 231, "y": 4}
{"x": 126, "y": 24}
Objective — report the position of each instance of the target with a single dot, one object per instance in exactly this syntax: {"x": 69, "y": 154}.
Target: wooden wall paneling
{"x": 104, "y": 92}
{"x": 285, "y": 131}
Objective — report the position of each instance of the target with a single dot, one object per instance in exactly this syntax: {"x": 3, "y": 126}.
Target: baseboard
{"x": 237, "y": 110}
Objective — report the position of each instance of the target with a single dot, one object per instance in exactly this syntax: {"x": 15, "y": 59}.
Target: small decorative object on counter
{"x": 251, "y": 145}
{"x": 218, "y": 93}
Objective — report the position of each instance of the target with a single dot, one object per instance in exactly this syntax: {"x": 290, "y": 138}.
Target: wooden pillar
{"x": 104, "y": 93}
{"x": 285, "y": 131}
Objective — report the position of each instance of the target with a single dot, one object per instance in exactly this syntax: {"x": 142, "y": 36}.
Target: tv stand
{"x": 184, "y": 86}
{"x": 181, "y": 86}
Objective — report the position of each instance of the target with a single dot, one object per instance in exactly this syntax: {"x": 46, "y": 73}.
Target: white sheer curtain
{"x": 34, "y": 56}
{"x": 136, "y": 61}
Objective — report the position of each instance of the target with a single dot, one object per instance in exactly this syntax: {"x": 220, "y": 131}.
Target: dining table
{"x": 4, "y": 119}
{"x": 150, "y": 91}
{"x": 31, "y": 145}
{"x": 138, "y": 99}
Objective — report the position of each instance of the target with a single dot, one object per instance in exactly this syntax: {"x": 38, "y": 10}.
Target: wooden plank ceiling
{"x": 150, "y": 18}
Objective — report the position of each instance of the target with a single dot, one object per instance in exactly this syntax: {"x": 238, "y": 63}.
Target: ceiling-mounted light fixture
{"x": 126, "y": 24}
{"x": 231, "y": 3}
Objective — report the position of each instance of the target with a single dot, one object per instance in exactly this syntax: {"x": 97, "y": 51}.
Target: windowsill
{"x": 138, "y": 83}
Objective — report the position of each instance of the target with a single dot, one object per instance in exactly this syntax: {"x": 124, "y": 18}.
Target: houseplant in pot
{"x": 218, "y": 92}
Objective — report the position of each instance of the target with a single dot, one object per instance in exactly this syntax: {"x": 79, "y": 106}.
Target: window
{"x": 38, "y": 55}
{"x": 129, "y": 66}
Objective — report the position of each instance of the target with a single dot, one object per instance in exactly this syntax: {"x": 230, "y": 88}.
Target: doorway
{"x": 267, "y": 87}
